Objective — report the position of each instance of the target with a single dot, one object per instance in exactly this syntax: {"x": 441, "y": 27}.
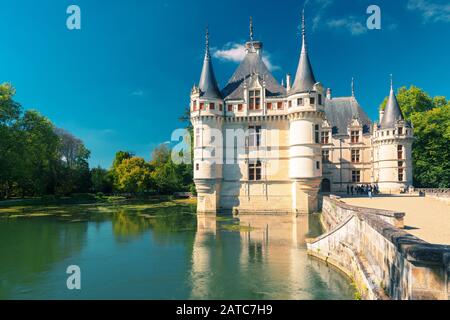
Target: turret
{"x": 393, "y": 148}
{"x": 306, "y": 113}
{"x": 207, "y": 111}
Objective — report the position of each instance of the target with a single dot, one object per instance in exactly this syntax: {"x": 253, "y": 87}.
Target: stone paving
{"x": 426, "y": 218}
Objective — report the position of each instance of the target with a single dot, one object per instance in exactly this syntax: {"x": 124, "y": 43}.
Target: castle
{"x": 261, "y": 146}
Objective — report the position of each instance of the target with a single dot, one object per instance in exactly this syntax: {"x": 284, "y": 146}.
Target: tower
{"x": 306, "y": 113}
{"x": 207, "y": 120}
{"x": 393, "y": 149}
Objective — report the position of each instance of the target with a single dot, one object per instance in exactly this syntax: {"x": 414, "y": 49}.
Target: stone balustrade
{"x": 384, "y": 261}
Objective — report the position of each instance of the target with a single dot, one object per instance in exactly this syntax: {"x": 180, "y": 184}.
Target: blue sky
{"x": 122, "y": 81}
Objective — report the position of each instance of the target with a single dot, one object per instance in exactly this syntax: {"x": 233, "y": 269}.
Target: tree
{"x": 430, "y": 118}
{"x": 133, "y": 175}
{"x": 10, "y": 112}
{"x": 40, "y": 157}
{"x": 101, "y": 180}
{"x": 431, "y": 149}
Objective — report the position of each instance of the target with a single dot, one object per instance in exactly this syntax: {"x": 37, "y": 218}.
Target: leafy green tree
{"x": 430, "y": 118}
{"x": 10, "y": 112}
{"x": 133, "y": 175}
{"x": 431, "y": 149}
{"x": 101, "y": 180}
{"x": 40, "y": 155}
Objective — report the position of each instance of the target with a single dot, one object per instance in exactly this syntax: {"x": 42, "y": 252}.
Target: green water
{"x": 136, "y": 252}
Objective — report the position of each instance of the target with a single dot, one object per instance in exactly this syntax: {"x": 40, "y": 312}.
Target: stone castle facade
{"x": 261, "y": 146}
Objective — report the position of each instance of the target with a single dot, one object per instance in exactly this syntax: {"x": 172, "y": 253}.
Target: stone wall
{"x": 384, "y": 261}
{"x": 442, "y": 194}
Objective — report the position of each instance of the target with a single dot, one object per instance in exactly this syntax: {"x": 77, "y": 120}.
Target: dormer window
{"x": 240, "y": 107}
{"x": 299, "y": 101}
{"x": 280, "y": 105}
{"x": 312, "y": 101}
{"x": 400, "y": 130}
{"x": 211, "y": 106}
{"x": 269, "y": 105}
{"x": 202, "y": 106}
{"x": 354, "y": 136}
{"x": 325, "y": 137}
{"x": 230, "y": 108}
{"x": 254, "y": 101}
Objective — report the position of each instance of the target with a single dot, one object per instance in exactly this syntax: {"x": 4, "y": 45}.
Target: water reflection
{"x": 164, "y": 253}
{"x": 264, "y": 257}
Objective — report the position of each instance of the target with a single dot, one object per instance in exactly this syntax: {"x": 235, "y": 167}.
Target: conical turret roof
{"x": 392, "y": 112}
{"x": 304, "y": 78}
{"x": 208, "y": 83}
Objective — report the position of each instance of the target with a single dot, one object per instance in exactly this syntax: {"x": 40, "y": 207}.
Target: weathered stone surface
{"x": 382, "y": 258}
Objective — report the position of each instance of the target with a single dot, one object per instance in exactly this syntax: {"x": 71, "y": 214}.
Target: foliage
{"x": 133, "y": 175}
{"x": 35, "y": 157}
{"x": 430, "y": 118}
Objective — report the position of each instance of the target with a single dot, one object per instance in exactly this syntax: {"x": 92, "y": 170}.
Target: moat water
{"x": 168, "y": 254}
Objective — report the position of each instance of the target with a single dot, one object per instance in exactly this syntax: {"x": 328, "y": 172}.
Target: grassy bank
{"x": 88, "y": 204}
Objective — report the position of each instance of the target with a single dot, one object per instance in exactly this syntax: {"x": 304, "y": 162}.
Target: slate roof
{"x": 208, "y": 83}
{"x": 304, "y": 78}
{"x": 252, "y": 64}
{"x": 392, "y": 112}
{"x": 341, "y": 110}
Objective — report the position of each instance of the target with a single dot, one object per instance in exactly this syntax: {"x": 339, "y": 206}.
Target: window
{"x": 269, "y": 105}
{"x": 319, "y": 98}
{"x": 316, "y": 133}
{"x": 240, "y": 107}
{"x": 355, "y": 156}
{"x": 400, "y": 174}
{"x": 197, "y": 137}
{"x": 211, "y": 106}
{"x": 254, "y": 171}
{"x": 194, "y": 105}
{"x": 356, "y": 176}
{"x": 354, "y": 136}
{"x": 202, "y": 106}
{"x": 318, "y": 165}
{"x": 220, "y": 107}
{"x": 279, "y": 105}
{"x": 290, "y": 103}
{"x": 400, "y": 131}
{"x": 312, "y": 101}
{"x": 254, "y": 101}
{"x": 300, "y": 101}
{"x": 230, "y": 108}
{"x": 399, "y": 152}
{"x": 197, "y": 166}
{"x": 325, "y": 137}
{"x": 325, "y": 156}
{"x": 254, "y": 139}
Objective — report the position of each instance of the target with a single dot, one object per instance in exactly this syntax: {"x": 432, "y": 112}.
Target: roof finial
{"x": 207, "y": 43}
{"x": 353, "y": 87}
{"x": 392, "y": 83}
{"x": 251, "y": 28}
{"x": 303, "y": 31}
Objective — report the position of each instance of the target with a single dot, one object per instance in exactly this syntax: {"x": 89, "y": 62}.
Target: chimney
{"x": 288, "y": 82}
{"x": 329, "y": 94}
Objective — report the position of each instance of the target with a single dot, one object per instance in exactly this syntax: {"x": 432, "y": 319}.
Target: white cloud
{"x": 235, "y": 52}
{"x": 351, "y": 24}
{"x": 431, "y": 12}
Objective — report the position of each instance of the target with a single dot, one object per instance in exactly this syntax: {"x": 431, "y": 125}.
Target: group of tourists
{"x": 363, "y": 189}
